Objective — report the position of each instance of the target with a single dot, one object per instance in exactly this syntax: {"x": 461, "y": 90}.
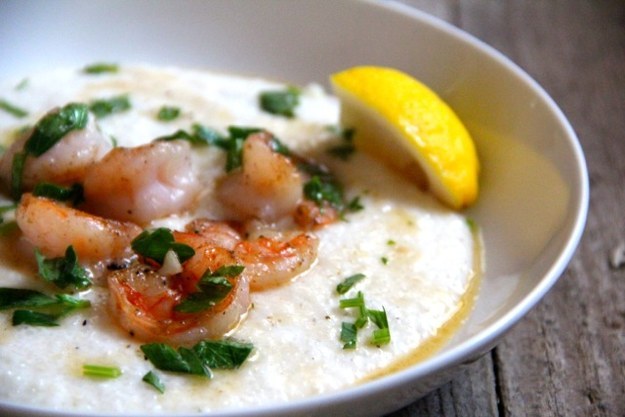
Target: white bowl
{"x": 534, "y": 193}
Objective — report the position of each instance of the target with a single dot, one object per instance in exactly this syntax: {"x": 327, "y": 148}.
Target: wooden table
{"x": 567, "y": 357}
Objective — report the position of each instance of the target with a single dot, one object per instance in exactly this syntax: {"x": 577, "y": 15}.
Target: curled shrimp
{"x": 51, "y": 227}
{"x": 267, "y": 186}
{"x": 270, "y": 262}
{"x": 144, "y": 301}
{"x": 65, "y": 163}
{"x": 143, "y": 183}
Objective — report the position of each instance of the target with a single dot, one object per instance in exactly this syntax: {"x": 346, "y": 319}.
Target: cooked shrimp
{"x": 65, "y": 163}
{"x": 309, "y": 215}
{"x": 144, "y": 301}
{"x": 51, "y": 227}
{"x": 268, "y": 185}
{"x": 270, "y": 261}
{"x": 143, "y": 183}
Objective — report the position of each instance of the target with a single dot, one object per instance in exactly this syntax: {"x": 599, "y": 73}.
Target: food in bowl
{"x": 182, "y": 234}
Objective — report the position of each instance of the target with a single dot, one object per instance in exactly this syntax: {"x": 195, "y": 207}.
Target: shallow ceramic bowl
{"x": 534, "y": 194}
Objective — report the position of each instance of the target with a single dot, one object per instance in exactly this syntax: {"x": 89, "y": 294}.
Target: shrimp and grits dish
{"x": 177, "y": 240}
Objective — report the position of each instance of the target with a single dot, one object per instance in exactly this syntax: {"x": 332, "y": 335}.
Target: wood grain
{"x": 567, "y": 357}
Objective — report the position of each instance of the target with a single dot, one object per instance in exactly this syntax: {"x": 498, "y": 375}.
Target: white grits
{"x": 418, "y": 258}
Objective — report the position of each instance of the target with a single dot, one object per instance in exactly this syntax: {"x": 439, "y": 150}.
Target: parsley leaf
{"x": 280, "y": 102}
{"x": 73, "y": 193}
{"x": 52, "y": 127}
{"x": 12, "y": 109}
{"x": 212, "y": 288}
{"x": 63, "y": 272}
{"x": 348, "y": 283}
{"x": 152, "y": 379}
{"x": 349, "y": 335}
{"x": 223, "y": 354}
{"x": 106, "y": 107}
{"x": 56, "y": 307}
{"x": 155, "y": 245}
{"x": 168, "y": 113}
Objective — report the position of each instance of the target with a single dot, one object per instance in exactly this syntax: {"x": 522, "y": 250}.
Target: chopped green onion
{"x": 106, "y": 107}
{"x": 280, "y": 102}
{"x": 12, "y": 109}
{"x": 384, "y": 260}
{"x": 358, "y": 301}
{"x": 348, "y": 283}
{"x": 381, "y": 337}
{"x": 100, "y": 371}
{"x": 349, "y": 335}
{"x": 152, "y": 379}
{"x": 168, "y": 113}
{"x": 64, "y": 271}
{"x": 100, "y": 68}
{"x": 155, "y": 245}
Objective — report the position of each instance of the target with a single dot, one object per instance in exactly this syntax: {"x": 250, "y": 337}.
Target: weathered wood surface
{"x": 567, "y": 357}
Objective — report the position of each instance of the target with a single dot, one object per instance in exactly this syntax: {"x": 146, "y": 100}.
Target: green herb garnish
{"x": 73, "y": 193}
{"x": 63, "y": 272}
{"x": 198, "y": 360}
{"x": 46, "y": 133}
{"x": 155, "y": 245}
{"x": 212, "y": 288}
{"x": 348, "y": 283}
{"x": 349, "y": 335}
{"x": 100, "y": 68}
{"x": 152, "y": 379}
{"x": 382, "y": 335}
{"x": 12, "y": 109}
{"x": 168, "y": 113}
{"x": 319, "y": 189}
{"x": 346, "y": 148}
{"x": 280, "y": 102}
{"x": 100, "y": 371}
{"x": 106, "y": 107}
{"x": 54, "y": 307}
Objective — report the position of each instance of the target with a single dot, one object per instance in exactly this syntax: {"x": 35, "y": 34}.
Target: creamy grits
{"x": 420, "y": 260}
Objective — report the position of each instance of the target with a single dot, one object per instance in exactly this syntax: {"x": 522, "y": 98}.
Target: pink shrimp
{"x": 143, "y": 183}
{"x": 268, "y": 185}
{"x": 52, "y": 227}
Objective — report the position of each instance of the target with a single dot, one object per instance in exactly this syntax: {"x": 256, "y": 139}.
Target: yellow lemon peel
{"x": 401, "y": 121}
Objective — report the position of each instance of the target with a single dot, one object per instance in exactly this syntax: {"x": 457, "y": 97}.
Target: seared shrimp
{"x": 270, "y": 262}
{"x": 143, "y": 183}
{"x": 65, "y": 163}
{"x": 268, "y": 185}
{"x": 144, "y": 301}
{"x": 51, "y": 227}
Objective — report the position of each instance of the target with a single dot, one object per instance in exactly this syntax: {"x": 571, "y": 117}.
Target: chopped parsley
{"x": 101, "y": 68}
{"x": 168, "y": 113}
{"x": 44, "y": 310}
{"x": 199, "y": 359}
{"x": 349, "y": 282}
{"x": 106, "y": 107}
{"x": 280, "y": 102}
{"x": 101, "y": 371}
{"x": 200, "y": 136}
{"x": 349, "y": 335}
{"x": 47, "y": 132}
{"x": 155, "y": 245}
{"x": 63, "y": 271}
{"x": 74, "y": 193}
{"x": 212, "y": 288}
{"x": 152, "y": 379}
{"x": 13, "y": 109}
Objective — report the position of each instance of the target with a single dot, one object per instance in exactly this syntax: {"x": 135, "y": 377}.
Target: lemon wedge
{"x": 401, "y": 121}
